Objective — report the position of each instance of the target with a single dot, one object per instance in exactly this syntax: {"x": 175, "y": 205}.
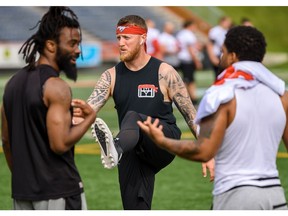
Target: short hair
{"x": 247, "y": 42}
{"x": 132, "y": 20}
{"x": 50, "y": 27}
{"x": 224, "y": 18}
{"x": 188, "y": 23}
{"x": 245, "y": 19}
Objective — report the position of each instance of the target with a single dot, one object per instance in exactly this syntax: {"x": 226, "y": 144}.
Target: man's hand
{"x": 154, "y": 130}
{"x": 210, "y": 165}
{"x": 81, "y": 109}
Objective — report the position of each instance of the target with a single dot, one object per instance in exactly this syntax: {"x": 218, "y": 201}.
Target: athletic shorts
{"x": 251, "y": 198}
{"x": 188, "y": 71}
{"x": 77, "y": 202}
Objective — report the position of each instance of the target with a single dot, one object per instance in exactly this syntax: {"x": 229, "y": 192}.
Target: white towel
{"x": 222, "y": 93}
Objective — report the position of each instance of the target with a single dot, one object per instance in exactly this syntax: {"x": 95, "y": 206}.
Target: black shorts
{"x": 188, "y": 71}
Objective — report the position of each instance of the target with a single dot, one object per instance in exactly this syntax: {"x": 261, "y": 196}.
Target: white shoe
{"x": 103, "y": 135}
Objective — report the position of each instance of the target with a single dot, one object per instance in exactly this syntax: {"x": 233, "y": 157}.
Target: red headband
{"x": 130, "y": 29}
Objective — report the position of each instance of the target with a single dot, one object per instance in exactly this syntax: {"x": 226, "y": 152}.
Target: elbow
{"x": 204, "y": 157}
{"x": 58, "y": 149}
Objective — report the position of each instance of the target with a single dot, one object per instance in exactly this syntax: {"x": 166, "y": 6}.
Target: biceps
{"x": 58, "y": 124}
{"x": 101, "y": 92}
{"x": 98, "y": 98}
{"x": 212, "y": 130}
{"x": 177, "y": 89}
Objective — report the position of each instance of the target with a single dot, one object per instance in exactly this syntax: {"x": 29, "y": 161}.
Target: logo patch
{"x": 122, "y": 28}
{"x": 147, "y": 91}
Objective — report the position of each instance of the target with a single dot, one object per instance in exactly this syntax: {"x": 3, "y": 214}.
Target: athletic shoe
{"x": 102, "y": 134}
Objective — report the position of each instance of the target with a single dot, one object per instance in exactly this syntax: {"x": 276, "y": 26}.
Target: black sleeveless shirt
{"x": 37, "y": 172}
{"x": 139, "y": 91}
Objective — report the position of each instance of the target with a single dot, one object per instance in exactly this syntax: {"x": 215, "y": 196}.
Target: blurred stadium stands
{"x": 15, "y": 23}
{"x": 97, "y": 22}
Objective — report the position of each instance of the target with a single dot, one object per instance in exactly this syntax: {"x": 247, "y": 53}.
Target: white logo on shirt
{"x": 147, "y": 91}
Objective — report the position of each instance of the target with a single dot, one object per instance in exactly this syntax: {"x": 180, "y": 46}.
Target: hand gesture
{"x": 153, "y": 130}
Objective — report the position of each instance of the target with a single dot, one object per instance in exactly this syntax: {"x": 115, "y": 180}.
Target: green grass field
{"x": 269, "y": 20}
{"x": 180, "y": 186}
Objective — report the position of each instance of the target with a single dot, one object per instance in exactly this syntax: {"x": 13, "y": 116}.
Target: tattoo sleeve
{"x": 179, "y": 94}
{"x": 101, "y": 92}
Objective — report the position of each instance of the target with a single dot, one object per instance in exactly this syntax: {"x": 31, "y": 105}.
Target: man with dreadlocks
{"x": 37, "y": 132}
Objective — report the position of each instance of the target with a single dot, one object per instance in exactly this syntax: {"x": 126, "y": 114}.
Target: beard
{"x": 222, "y": 66}
{"x": 129, "y": 56}
{"x": 64, "y": 62}
{"x": 220, "y": 69}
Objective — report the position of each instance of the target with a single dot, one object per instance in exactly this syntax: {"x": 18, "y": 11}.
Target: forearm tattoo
{"x": 101, "y": 91}
{"x": 178, "y": 92}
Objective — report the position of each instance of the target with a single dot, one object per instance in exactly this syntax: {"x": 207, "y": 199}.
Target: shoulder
{"x": 166, "y": 68}
{"x": 168, "y": 74}
{"x": 55, "y": 89}
{"x": 109, "y": 74}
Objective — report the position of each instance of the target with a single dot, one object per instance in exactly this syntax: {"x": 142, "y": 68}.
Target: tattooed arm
{"x": 209, "y": 141}
{"x": 177, "y": 92}
{"x": 101, "y": 91}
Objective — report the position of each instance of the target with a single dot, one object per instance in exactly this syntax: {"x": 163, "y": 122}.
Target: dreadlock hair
{"x": 247, "y": 42}
{"x": 50, "y": 27}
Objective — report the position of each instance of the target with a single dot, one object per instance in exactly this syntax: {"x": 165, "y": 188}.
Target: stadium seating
{"x": 99, "y": 21}
{"x": 15, "y": 23}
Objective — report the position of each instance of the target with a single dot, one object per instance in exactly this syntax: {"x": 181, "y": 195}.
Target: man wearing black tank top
{"x": 37, "y": 132}
{"x": 140, "y": 85}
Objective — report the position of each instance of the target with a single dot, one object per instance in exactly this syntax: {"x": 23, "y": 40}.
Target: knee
{"x": 131, "y": 112}
{"x": 132, "y": 115}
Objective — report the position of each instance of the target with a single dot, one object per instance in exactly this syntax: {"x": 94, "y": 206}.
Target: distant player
{"x": 216, "y": 37}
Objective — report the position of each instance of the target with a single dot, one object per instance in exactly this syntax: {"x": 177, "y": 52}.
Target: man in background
{"x": 170, "y": 45}
{"x": 216, "y": 37}
{"x": 189, "y": 58}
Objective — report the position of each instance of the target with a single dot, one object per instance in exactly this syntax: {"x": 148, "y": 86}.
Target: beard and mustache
{"x": 130, "y": 55}
{"x": 64, "y": 62}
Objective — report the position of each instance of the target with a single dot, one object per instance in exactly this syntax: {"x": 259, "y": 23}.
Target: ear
{"x": 50, "y": 46}
{"x": 143, "y": 38}
{"x": 234, "y": 57}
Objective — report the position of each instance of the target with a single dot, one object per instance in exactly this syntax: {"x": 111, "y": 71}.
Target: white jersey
{"x": 171, "y": 45}
{"x": 152, "y": 35}
{"x": 185, "y": 38}
{"x": 169, "y": 41}
{"x": 248, "y": 153}
{"x": 217, "y": 34}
